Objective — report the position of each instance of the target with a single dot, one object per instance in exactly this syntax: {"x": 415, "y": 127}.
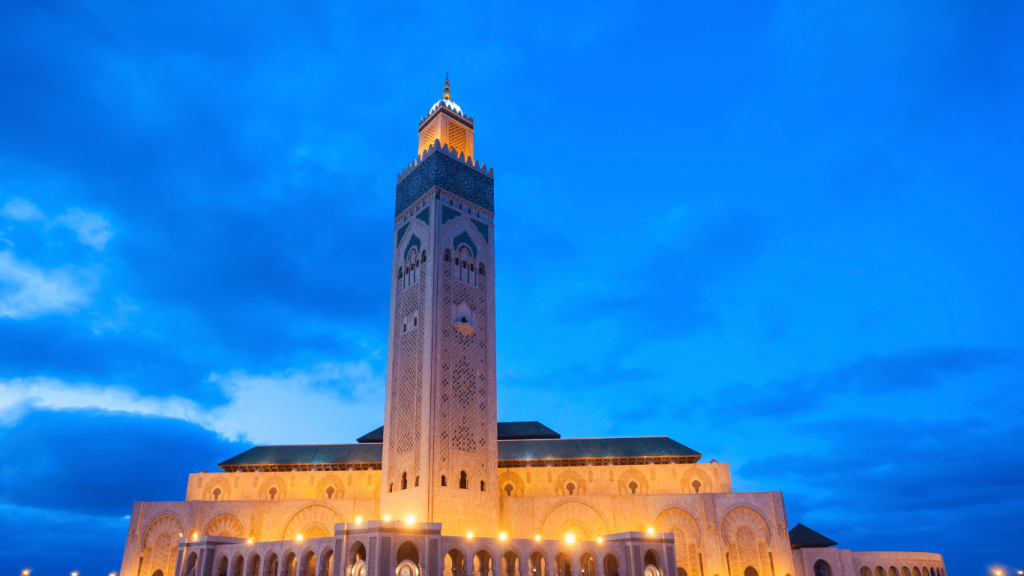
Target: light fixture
{"x": 537, "y": 537}
{"x": 503, "y": 536}
{"x": 469, "y": 534}
{"x": 250, "y": 540}
{"x": 599, "y": 539}
{"x": 298, "y": 537}
{"x": 75, "y": 573}
{"x": 410, "y": 519}
{"x": 26, "y": 572}
{"x": 387, "y": 517}
{"x": 650, "y": 530}
{"x": 112, "y": 574}
{"x": 359, "y": 520}
{"x": 570, "y": 538}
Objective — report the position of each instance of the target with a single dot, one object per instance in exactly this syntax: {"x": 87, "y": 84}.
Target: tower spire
{"x": 447, "y": 94}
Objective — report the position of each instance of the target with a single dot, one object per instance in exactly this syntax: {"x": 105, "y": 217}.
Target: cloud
{"x": 117, "y": 458}
{"x": 90, "y": 544}
{"x": 21, "y": 210}
{"x": 27, "y": 291}
{"x": 282, "y": 407}
{"x": 91, "y": 229}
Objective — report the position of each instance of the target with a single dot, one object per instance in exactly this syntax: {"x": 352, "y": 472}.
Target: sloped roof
{"x": 580, "y": 448}
{"x": 803, "y": 537}
{"x": 307, "y": 454}
{"x": 565, "y": 449}
{"x": 532, "y": 430}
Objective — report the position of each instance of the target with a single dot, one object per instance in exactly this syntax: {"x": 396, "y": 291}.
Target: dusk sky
{"x": 789, "y": 235}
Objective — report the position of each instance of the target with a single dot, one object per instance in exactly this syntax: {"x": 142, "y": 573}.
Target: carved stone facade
{"x": 430, "y": 499}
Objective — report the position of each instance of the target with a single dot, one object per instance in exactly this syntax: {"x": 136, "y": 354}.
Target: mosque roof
{"x": 803, "y": 537}
{"x": 644, "y": 447}
{"x": 506, "y": 431}
{"x": 540, "y": 452}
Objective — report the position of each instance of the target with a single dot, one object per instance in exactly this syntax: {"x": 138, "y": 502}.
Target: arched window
{"x": 696, "y": 486}
{"x": 405, "y": 481}
{"x": 570, "y": 488}
{"x": 216, "y": 493}
{"x": 273, "y": 493}
{"x": 481, "y": 485}
{"x": 463, "y": 483}
{"x": 821, "y": 568}
{"x": 865, "y": 571}
{"x": 750, "y": 571}
{"x": 444, "y": 481}
{"x": 417, "y": 481}
{"x": 447, "y": 255}
{"x": 408, "y": 551}
{"x": 391, "y": 487}
{"x": 633, "y": 486}
{"x": 482, "y": 271}
{"x": 508, "y": 489}
{"x": 330, "y": 492}
{"x": 465, "y": 266}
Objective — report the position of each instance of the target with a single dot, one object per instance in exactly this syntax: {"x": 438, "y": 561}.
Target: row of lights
{"x": 28, "y": 571}
{"x": 570, "y": 538}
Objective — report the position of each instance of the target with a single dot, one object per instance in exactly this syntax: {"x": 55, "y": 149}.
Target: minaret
{"x": 440, "y": 424}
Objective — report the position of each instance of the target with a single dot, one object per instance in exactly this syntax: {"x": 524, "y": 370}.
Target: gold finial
{"x": 447, "y": 94}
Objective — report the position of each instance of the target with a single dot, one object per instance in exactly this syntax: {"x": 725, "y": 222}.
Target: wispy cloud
{"x": 90, "y": 228}
{"x": 28, "y": 291}
{"x": 281, "y": 407}
{"x": 21, "y": 210}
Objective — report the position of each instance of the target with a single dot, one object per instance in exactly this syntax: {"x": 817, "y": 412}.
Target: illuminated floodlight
{"x": 387, "y": 517}
{"x": 650, "y": 530}
{"x": 469, "y": 534}
{"x": 359, "y": 519}
{"x": 537, "y": 537}
{"x": 298, "y": 537}
{"x": 503, "y": 536}
{"x": 250, "y": 540}
{"x": 599, "y": 539}
{"x": 570, "y": 538}
{"x": 410, "y": 519}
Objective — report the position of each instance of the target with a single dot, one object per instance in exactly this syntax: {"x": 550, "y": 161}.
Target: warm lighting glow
{"x": 112, "y": 574}
{"x": 503, "y": 536}
{"x": 387, "y": 517}
{"x": 650, "y": 530}
{"x": 570, "y": 538}
{"x": 537, "y": 537}
{"x": 250, "y": 540}
{"x": 298, "y": 537}
{"x": 469, "y": 534}
{"x": 359, "y": 519}
{"x": 410, "y": 519}
{"x": 599, "y": 539}
{"x": 75, "y": 573}
{"x": 26, "y": 572}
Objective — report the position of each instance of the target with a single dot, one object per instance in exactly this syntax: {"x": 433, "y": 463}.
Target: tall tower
{"x": 440, "y": 457}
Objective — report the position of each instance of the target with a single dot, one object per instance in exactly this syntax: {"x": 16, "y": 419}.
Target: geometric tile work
{"x": 438, "y": 169}
{"x": 406, "y": 392}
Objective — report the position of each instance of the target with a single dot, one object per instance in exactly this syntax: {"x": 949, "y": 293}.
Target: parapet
{"x": 437, "y": 147}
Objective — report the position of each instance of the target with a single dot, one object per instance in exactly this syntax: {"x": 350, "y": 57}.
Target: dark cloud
{"x": 98, "y": 464}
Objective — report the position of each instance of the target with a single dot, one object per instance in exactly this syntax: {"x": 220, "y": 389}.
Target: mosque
{"x": 443, "y": 488}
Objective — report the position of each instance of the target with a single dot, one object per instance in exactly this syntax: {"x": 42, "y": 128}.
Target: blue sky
{"x": 787, "y": 234}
